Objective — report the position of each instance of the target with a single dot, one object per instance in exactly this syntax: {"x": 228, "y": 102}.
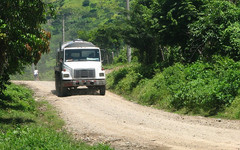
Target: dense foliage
{"x": 22, "y": 39}
{"x": 17, "y": 98}
{"x": 184, "y": 31}
{"x": 201, "y": 87}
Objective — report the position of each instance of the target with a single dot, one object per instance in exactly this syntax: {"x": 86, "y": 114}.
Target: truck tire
{"x": 102, "y": 90}
{"x": 60, "y": 90}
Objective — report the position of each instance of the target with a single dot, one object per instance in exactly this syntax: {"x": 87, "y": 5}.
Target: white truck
{"x": 79, "y": 63}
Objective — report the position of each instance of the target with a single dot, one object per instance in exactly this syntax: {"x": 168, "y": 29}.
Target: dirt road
{"x": 125, "y": 125}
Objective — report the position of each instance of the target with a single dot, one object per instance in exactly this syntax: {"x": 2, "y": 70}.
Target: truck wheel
{"x": 102, "y": 90}
{"x": 56, "y": 82}
{"x": 61, "y": 91}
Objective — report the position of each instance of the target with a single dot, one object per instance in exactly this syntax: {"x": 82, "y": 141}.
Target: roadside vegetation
{"x": 29, "y": 124}
{"x": 187, "y": 56}
{"x": 200, "y": 88}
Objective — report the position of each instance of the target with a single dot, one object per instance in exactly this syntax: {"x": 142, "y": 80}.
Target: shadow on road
{"x": 80, "y": 91}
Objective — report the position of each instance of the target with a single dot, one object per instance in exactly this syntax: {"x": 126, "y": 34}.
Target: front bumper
{"x": 85, "y": 82}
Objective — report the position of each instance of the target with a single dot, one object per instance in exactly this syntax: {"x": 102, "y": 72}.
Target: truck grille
{"x": 84, "y": 73}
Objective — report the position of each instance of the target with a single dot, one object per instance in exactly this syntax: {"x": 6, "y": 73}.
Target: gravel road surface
{"x": 111, "y": 119}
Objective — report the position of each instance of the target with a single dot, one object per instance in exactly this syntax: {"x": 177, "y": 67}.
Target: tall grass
{"x": 27, "y": 124}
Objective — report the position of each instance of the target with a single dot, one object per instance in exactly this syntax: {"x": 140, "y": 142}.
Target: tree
{"x": 187, "y": 29}
{"x": 108, "y": 36}
{"x": 156, "y": 25}
{"x": 22, "y": 39}
{"x": 201, "y": 28}
{"x": 173, "y": 19}
{"x": 217, "y": 31}
{"x": 139, "y": 32}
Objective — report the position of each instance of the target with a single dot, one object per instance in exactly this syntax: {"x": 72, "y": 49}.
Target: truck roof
{"x": 77, "y": 43}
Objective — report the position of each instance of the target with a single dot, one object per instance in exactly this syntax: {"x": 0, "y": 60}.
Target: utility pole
{"x": 128, "y": 8}
{"x": 63, "y": 29}
{"x": 129, "y": 51}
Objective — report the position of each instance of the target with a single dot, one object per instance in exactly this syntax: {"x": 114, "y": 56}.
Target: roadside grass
{"x": 29, "y": 124}
{"x": 233, "y": 111}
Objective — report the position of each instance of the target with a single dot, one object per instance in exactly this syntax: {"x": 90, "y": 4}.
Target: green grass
{"x": 27, "y": 124}
{"x": 233, "y": 111}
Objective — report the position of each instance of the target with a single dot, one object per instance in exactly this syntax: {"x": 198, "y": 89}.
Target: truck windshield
{"x": 82, "y": 55}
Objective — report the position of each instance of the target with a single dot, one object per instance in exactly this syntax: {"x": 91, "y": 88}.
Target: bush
{"x": 130, "y": 81}
{"x": 200, "y": 87}
{"x": 17, "y": 97}
{"x": 121, "y": 58}
{"x": 207, "y": 87}
{"x": 233, "y": 111}
{"x": 127, "y": 84}
{"x": 174, "y": 79}
{"x": 228, "y": 73}
{"x": 193, "y": 88}
{"x": 116, "y": 76}
{"x": 124, "y": 79}
{"x": 152, "y": 91}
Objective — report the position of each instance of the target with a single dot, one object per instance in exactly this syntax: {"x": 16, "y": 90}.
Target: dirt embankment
{"x": 125, "y": 125}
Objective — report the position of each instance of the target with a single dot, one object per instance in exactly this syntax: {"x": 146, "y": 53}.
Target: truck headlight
{"x": 101, "y": 74}
{"x": 66, "y": 75}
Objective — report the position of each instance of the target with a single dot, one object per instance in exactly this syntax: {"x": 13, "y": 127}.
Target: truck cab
{"x": 79, "y": 63}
